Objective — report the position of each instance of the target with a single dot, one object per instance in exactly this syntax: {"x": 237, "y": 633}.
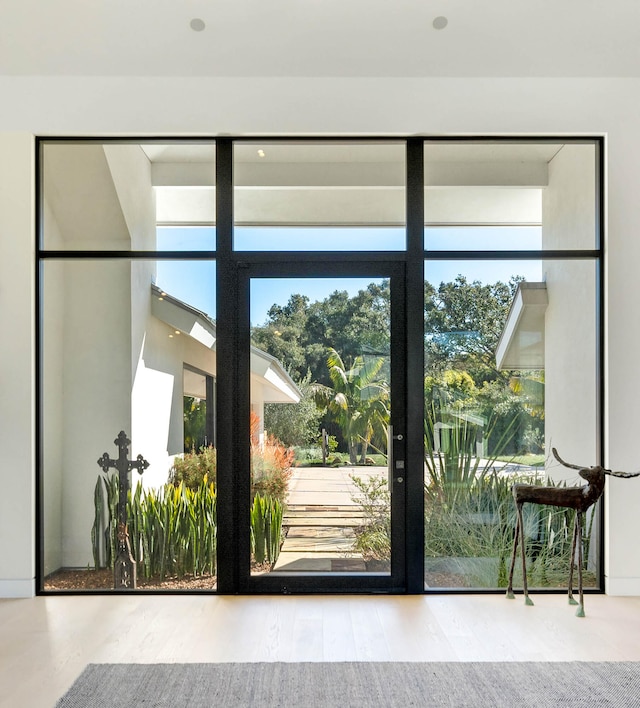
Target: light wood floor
{"x": 45, "y": 642}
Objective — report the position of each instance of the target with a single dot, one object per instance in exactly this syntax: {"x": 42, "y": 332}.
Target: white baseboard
{"x": 17, "y": 588}
{"x": 622, "y": 586}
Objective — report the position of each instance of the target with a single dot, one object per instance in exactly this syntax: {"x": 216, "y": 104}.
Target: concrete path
{"x": 320, "y": 518}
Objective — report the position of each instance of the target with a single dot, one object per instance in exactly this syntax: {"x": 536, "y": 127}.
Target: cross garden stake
{"x": 124, "y": 567}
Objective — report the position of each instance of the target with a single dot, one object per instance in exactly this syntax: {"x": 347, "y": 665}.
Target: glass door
{"x": 322, "y": 404}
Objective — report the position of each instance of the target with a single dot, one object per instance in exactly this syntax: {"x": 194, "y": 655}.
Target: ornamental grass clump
{"x": 173, "y": 530}
{"x": 481, "y": 524}
{"x": 266, "y": 529}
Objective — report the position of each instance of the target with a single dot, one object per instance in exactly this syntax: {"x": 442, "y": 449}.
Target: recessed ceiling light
{"x": 197, "y": 25}
{"x": 261, "y": 153}
{"x": 440, "y": 22}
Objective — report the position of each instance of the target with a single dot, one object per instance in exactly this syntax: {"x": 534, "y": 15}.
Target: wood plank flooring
{"x": 45, "y": 642}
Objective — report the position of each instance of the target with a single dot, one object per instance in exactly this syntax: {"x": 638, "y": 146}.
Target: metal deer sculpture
{"x": 578, "y": 498}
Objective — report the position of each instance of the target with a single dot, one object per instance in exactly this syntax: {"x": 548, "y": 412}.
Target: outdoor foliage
{"x": 266, "y": 529}
{"x": 480, "y": 524}
{"x": 463, "y": 323}
{"x": 271, "y": 464}
{"x": 455, "y": 454}
{"x": 192, "y": 468}
{"x": 173, "y": 530}
{"x": 194, "y": 416}
{"x": 358, "y": 400}
{"x": 271, "y": 471}
{"x": 373, "y": 538}
{"x": 299, "y": 333}
{"x": 294, "y": 424}
{"x": 103, "y": 531}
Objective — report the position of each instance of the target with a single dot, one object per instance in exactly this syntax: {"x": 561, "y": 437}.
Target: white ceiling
{"x": 320, "y": 38}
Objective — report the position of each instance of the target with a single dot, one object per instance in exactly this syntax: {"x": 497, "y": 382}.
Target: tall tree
{"x": 463, "y": 323}
{"x": 357, "y": 399}
{"x": 294, "y": 423}
{"x": 300, "y": 332}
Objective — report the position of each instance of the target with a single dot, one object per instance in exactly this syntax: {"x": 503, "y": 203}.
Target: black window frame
{"x": 228, "y": 262}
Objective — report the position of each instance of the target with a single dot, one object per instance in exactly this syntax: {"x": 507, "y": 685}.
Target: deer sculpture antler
{"x": 577, "y": 498}
{"x": 625, "y": 475}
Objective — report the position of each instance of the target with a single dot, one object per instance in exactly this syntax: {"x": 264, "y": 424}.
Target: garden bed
{"x": 90, "y": 579}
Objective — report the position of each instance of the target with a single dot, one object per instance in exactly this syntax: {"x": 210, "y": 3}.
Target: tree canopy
{"x": 300, "y": 333}
{"x": 463, "y": 322}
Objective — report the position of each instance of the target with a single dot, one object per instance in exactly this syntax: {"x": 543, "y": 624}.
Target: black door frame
{"x": 233, "y": 558}
{"x": 320, "y": 582}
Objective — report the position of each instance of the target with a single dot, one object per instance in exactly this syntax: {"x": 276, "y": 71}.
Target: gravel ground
{"x": 103, "y": 580}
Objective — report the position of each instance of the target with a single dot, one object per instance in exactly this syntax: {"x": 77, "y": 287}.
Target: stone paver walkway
{"x": 321, "y": 516}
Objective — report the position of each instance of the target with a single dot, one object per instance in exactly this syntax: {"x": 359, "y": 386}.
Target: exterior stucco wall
{"x": 568, "y": 222}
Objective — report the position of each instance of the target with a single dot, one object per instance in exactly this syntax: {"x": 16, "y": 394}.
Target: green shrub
{"x": 307, "y": 454}
{"x": 271, "y": 464}
{"x": 192, "y": 468}
{"x": 373, "y": 538}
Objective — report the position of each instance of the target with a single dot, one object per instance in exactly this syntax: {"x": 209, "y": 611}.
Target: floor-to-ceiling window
{"x": 336, "y": 355}
{"x": 511, "y": 354}
{"x": 127, "y": 280}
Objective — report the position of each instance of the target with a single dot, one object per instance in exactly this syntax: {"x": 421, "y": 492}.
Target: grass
{"x": 530, "y": 459}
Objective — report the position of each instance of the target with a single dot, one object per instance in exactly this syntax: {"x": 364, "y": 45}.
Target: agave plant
{"x": 453, "y": 467}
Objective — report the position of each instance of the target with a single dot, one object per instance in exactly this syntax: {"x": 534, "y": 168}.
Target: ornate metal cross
{"x": 124, "y": 567}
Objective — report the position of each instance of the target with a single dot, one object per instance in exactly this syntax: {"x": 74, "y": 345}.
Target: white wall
{"x": 86, "y": 346}
{"x": 568, "y": 222}
{"x": 404, "y": 106}
{"x": 17, "y": 431}
{"x": 97, "y": 389}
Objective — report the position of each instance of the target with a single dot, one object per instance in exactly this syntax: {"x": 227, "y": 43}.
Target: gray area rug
{"x": 357, "y": 685}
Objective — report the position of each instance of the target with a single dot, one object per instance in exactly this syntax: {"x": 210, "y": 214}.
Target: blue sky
{"x": 194, "y": 282}
{"x": 315, "y": 238}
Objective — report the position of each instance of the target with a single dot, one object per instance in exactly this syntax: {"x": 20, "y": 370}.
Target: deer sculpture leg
{"x": 510, "y": 595}
{"x": 579, "y": 518}
{"x": 572, "y": 600}
{"x": 577, "y": 544}
{"x": 519, "y": 534}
